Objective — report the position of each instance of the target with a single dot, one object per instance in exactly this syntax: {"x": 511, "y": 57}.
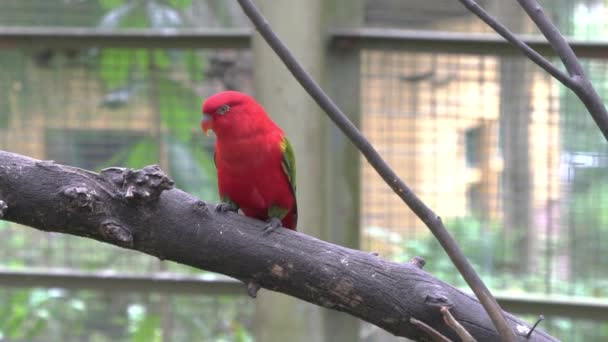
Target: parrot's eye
{"x": 223, "y": 109}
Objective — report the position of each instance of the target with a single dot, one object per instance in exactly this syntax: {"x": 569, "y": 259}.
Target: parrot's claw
{"x": 272, "y": 225}
{"x": 225, "y": 207}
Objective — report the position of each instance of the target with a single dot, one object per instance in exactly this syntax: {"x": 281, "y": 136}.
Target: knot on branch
{"x": 438, "y": 299}
{"x": 143, "y": 185}
{"x": 252, "y": 288}
{"x": 3, "y": 208}
{"x": 80, "y": 198}
{"x": 201, "y": 207}
{"x": 418, "y": 262}
{"x": 117, "y": 233}
{"x": 46, "y": 164}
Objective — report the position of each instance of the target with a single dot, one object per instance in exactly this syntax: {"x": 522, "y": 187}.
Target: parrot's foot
{"x": 225, "y": 207}
{"x": 272, "y": 225}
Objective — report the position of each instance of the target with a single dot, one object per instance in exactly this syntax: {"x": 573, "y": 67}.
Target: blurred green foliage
{"x": 34, "y": 315}
{"x": 488, "y": 248}
{"x": 485, "y": 244}
{"x": 129, "y": 78}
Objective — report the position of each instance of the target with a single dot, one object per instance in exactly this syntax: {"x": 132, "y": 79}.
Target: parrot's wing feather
{"x": 289, "y": 167}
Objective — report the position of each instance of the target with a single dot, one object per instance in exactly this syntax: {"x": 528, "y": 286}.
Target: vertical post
{"x": 342, "y": 81}
{"x": 514, "y": 125}
{"x": 327, "y": 165}
{"x": 278, "y": 317}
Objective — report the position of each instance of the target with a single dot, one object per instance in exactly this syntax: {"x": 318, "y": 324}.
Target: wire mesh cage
{"x": 498, "y": 149}
{"x": 508, "y": 157}
{"x": 503, "y": 152}
{"x": 120, "y": 14}
{"x": 96, "y": 108}
{"x": 100, "y": 107}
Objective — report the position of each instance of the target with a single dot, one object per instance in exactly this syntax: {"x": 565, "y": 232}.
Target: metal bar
{"x": 209, "y": 284}
{"x": 212, "y": 284}
{"x": 453, "y": 42}
{"x": 396, "y": 39}
{"x": 563, "y": 306}
{"x": 61, "y": 37}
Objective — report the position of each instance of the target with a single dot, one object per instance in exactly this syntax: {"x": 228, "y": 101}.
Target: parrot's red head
{"x": 231, "y": 113}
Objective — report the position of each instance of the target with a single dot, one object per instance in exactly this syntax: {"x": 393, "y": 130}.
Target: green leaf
{"x": 35, "y": 329}
{"x": 143, "y": 153}
{"x": 110, "y": 4}
{"x": 138, "y": 19}
{"x": 161, "y": 59}
{"x": 179, "y": 109}
{"x": 147, "y": 330}
{"x": 179, "y": 4}
{"x": 112, "y": 72}
{"x": 241, "y": 334}
{"x": 192, "y": 169}
{"x": 196, "y": 62}
{"x": 20, "y": 311}
{"x": 116, "y": 16}
{"x": 160, "y": 15}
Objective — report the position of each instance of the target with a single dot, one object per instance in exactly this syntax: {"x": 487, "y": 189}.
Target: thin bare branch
{"x": 540, "y": 319}
{"x": 558, "y": 42}
{"x": 430, "y": 219}
{"x": 576, "y": 80}
{"x": 502, "y": 30}
{"x": 464, "y": 335}
{"x": 433, "y": 334}
{"x": 581, "y": 85}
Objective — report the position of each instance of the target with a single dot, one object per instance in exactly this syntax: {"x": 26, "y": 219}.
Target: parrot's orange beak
{"x": 207, "y": 123}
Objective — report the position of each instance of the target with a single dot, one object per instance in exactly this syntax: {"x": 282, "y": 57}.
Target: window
{"x": 472, "y": 140}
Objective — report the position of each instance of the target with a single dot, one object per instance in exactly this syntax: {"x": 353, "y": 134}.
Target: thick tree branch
{"x": 128, "y": 208}
{"x": 425, "y": 213}
{"x": 576, "y": 79}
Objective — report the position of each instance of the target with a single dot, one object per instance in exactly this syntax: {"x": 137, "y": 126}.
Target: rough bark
{"x": 138, "y": 209}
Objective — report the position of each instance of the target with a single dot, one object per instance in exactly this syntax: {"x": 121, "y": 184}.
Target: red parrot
{"x": 256, "y": 168}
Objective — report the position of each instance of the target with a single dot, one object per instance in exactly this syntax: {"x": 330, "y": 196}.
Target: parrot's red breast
{"x": 254, "y": 160}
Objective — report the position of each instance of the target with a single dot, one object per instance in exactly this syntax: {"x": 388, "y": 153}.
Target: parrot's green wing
{"x": 289, "y": 167}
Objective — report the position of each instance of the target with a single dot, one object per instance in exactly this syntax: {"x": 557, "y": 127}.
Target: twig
{"x": 3, "y": 208}
{"x": 434, "y": 334}
{"x": 456, "y": 326}
{"x": 540, "y": 319}
{"x": 502, "y": 30}
{"x": 430, "y": 219}
{"x": 558, "y": 42}
{"x": 574, "y": 80}
{"x": 581, "y": 85}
